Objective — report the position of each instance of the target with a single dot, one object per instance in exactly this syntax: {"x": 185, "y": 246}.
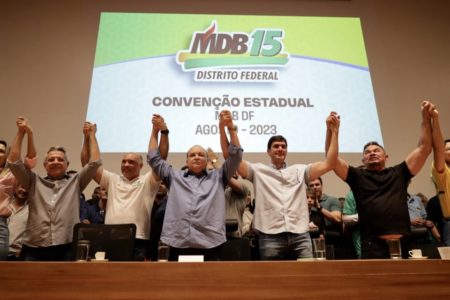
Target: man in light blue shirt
{"x": 194, "y": 222}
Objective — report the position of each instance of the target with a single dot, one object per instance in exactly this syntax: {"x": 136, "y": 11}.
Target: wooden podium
{"x": 356, "y": 279}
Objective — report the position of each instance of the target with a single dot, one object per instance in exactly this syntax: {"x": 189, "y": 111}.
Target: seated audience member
{"x": 17, "y": 222}
{"x": 247, "y": 217}
{"x": 93, "y": 210}
{"x": 380, "y": 191}
{"x": 316, "y": 219}
{"x": 54, "y": 200}
{"x": 157, "y": 219}
{"x": 8, "y": 183}
{"x": 194, "y": 222}
{"x": 236, "y": 195}
{"x": 350, "y": 219}
{"x": 281, "y": 190}
{"x": 423, "y": 198}
{"x": 418, "y": 217}
{"x": 131, "y": 194}
{"x": 434, "y": 213}
{"x": 330, "y": 208}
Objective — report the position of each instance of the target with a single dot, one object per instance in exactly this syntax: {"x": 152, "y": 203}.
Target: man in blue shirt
{"x": 194, "y": 222}
{"x": 92, "y": 211}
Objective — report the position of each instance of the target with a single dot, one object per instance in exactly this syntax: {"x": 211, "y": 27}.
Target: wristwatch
{"x": 166, "y": 132}
{"x": 234, "y": 128}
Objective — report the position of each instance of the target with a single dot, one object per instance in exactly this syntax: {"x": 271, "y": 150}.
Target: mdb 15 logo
{"x": 213, "y": 55}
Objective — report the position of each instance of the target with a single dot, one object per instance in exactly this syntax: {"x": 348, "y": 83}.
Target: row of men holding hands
{"x": 194, "y": 222}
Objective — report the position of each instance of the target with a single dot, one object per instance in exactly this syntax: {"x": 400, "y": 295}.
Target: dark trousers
{"x": 212, "y": 254}
{"x": 141, "y": 250}
{"x": 52, "y": 253}
{"x": 377, "y": 248}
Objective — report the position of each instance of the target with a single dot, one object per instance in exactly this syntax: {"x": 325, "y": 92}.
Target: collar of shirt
{"x": 123, "y": 178}
{"x": 283, "y": 167}
{"x": 189, "y": 173}
{"x": 55, "y": 179}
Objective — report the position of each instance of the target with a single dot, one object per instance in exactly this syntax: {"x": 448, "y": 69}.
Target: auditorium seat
{"x": 117, "y": 240}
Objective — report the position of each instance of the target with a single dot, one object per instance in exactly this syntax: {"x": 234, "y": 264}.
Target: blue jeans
{"x": 4, "y": 239}
{"x": 285, "y": 246}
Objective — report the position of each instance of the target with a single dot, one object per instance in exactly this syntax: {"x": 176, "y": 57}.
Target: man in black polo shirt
{"x": 380, "y": 192}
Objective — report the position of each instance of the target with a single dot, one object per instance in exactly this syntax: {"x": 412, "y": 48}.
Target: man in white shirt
{"x": 281, "y": 216}
{"x": 130, "y": 194}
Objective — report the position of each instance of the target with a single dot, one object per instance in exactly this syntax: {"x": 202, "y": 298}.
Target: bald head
{"x": 131, "y": 165}
{"x": 196, "y": 159}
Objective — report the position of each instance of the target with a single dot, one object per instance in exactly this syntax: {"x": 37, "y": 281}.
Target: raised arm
{"x": 331, "y": 143}
{"x": 341, "y": 168}
{"x": 30, "y": 157}
{"x": 438, "y": 142}
{"x": 226, "y": 120}
{"x": 153, "y": 142}
{"x": 224, "y": 143}
{"x": 90, "y": 150}
{"x": 16, "y": 147}
{"x": 85, "y": 156}
{"x": 31, "y": 148}
{"x": 159, "y": 125}
{"x": 416, "y": 159}
{"x": 164, "y": 138}
{"x": 22, "y": 173}
{"x": 94, "y": 150}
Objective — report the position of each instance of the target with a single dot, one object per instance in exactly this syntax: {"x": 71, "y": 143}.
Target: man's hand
{"x": 159, "y": 123}
{"x": 5, "y": 211}
{"x": 429, "y": 224}
{"x": 22, "y": 124}
{"x": 419, "y": 222}
{"x": 89, "y": 127}
{"x": 433, "y": 111}
{"x": 333, "y": 121}
{"x": 428, "y": 109}
{"x": 226, "y": 120}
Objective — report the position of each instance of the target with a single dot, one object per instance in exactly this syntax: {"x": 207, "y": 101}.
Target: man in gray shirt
{"x": 54, "y": 199}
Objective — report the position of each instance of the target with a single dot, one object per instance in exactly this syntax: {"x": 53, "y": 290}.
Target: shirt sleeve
{"x": 438, "y": 178}
{"x": 233, "y": 161}
{"x": 23, "y": 174}
{"x": 88, "y": 172}
{"x": 159, "y": 166}
{"x": 30, "y": 162}
{"x": 335, "y": 206}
